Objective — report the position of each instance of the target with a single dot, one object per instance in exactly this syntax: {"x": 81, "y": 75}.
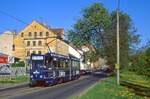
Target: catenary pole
{"x": 118, "y": 46}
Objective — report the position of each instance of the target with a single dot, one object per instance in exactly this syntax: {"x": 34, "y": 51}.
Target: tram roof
{"x": 57, "y": 56}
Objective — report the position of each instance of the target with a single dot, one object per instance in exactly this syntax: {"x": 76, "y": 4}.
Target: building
{"x": 35, "y": 38}
{"x": 6, "y": 42}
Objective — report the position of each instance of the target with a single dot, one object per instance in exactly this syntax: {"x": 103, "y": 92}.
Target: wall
{"x": 6, "y": 42}
{"x": 21, "y": 40}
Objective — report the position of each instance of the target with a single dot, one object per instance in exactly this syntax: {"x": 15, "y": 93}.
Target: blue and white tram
{"x": 52, "y": 68}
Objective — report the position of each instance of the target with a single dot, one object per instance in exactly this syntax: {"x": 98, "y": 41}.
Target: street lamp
{"x": 118, "y": 47}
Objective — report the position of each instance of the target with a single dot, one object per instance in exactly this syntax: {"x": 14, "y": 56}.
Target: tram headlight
{"x": 31, "y": 76}
{"x": 41, "y": 76}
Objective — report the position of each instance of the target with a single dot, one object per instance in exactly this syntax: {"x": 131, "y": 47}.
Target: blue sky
{"x": 64, "y": 13}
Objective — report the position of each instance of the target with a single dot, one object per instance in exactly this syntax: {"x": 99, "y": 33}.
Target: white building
{"x": 79, "y": 54}
{"x": 6, "y": 43}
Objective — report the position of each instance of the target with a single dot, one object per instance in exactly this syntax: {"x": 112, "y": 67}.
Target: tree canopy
{"x": 96, "y": 29}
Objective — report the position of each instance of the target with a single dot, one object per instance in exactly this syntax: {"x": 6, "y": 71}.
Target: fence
{"x": 7, "y": 70}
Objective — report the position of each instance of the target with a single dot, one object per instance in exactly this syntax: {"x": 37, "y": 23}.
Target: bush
{"x": 141, "y": 63}
{"x": 18, "y": 64}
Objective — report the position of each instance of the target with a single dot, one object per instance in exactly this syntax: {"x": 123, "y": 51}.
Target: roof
{"x": 58, "y": 31}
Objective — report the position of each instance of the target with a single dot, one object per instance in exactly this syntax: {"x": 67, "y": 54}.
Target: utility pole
{"x": 118, "y": 47}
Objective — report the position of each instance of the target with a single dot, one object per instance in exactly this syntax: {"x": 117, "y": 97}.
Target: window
{"x": 28, "y": 43}
{"x": 13, "y": 47}
{"x": 35, "y": 34}
{"x": 34, "y": 43}
{"x": 39, "y": 52}
{"x": 40, "y": 43}
{"x": 22, "y": 34}
{"x": 34, "y": 52}
{"x": 30, "y": 34}
{"x": 47, "y": 33}
{"x": 41, "y": 34}
{"x": 66, "y": 63}
{"x": 28, "y": 53}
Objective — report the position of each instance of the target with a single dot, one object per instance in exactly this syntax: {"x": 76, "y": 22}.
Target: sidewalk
{"x": 4, "y": 87}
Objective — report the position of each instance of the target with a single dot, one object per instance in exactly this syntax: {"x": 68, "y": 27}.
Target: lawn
{"x": 108, "y": 89}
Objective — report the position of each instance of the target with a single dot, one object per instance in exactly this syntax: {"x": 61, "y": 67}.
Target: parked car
{"x": 82, "y": 72}
{"x": 85, "y": 72}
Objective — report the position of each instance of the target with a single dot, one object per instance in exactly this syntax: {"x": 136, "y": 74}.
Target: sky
{"x": 64, "y": 13}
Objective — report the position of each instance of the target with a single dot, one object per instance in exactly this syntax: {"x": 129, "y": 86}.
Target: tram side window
{"x": 58, "y": 64}
{"x": 73, "y": 63}
{"x": 78, "y": 64}
{"x": 66, "y": 63}
{"x": 61, "y": 64}
{"x": 55, "y": 63}
{"x": 48, "y": 62}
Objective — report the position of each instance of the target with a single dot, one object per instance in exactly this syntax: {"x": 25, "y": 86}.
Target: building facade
{"x": 38, "y": 38}
{"x": 6, "y": 42}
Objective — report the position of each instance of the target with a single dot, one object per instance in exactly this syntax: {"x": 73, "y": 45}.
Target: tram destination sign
{"x": 37, "y": 57}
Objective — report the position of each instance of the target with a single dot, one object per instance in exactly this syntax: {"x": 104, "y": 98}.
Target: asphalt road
{"x": 61, "y": 91}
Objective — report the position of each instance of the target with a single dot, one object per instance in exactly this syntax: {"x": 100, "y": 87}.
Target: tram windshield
{"x": 37, "y": 62}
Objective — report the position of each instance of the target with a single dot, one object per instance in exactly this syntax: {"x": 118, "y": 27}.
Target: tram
{"x": 51, "y": 68}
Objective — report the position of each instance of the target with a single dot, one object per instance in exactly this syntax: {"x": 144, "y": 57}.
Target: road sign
{"x": 117, "y": 66}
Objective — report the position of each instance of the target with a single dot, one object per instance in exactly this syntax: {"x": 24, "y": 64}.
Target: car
{"x": 82, "y": 72}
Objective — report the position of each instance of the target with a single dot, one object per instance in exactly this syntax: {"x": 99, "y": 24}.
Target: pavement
{"x": 60, "y": 91}
{"x": 5, "y": 87}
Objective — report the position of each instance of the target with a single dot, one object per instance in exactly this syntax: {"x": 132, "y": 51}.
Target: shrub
{"x": 141, "y": 63}
{"x": 18, "y": 64}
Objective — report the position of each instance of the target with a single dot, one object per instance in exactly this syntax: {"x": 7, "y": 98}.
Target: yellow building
{"x": 34, "y": 39}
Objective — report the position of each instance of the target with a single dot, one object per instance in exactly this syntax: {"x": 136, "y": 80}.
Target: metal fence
{"x": 7, "y": 70}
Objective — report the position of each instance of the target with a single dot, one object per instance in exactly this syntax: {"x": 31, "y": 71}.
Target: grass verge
{"x": 108, "y": 89}
{"x": 18, "y": 79}
{"x": 138, "y": 84}
{"x": 133, "y": 78}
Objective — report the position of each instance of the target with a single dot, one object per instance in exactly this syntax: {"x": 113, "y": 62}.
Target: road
{"x": 61, "y": 91}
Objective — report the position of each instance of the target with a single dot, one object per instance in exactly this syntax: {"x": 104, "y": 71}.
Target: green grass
{"x": 108, "y": 89}
{"x": 18, "y": 79}
{"x": 133, "y": 78}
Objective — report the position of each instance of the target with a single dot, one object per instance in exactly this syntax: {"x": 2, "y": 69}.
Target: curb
{"x": 14, "y": 87}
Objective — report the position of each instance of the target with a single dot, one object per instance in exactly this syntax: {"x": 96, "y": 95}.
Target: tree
{"x": 89, "y": 30}
{"x": 97, "y": 30}
{"x": 140, "y": 62}
{"x": 128, "y": 39}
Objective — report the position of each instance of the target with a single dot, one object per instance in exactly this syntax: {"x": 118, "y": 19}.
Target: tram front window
{"x": 37, "y": 62}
